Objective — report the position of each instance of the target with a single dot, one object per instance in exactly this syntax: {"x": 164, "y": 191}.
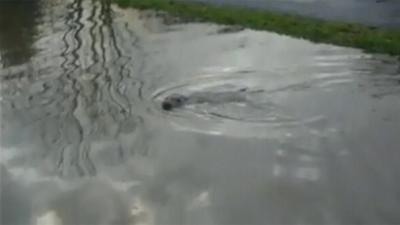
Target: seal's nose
{"x": 166, "y": 106}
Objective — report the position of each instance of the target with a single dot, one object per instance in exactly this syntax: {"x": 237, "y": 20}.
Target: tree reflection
{"x": 83, "y": 88}
{"x": 95, "y": 74}
{"x": 18, "y": 19}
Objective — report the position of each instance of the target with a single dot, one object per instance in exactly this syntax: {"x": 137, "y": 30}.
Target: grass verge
{"x": 370, "y": 39}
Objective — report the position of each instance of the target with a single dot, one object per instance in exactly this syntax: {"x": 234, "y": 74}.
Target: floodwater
{"x": 382, "y": 13}
{"x": 84, "y": 139}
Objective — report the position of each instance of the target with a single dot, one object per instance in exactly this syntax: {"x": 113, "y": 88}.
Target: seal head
{"x": 173, "y": 101}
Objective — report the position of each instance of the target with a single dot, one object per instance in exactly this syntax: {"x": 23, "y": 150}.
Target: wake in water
{"x": 248, "y": 104}
{"x": 178, "y": 100}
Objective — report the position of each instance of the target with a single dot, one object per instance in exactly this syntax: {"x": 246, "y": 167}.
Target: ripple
{"x": 259, "y": 104}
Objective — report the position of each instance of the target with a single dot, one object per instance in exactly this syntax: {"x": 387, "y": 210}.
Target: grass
{"x": 370, "y": 39}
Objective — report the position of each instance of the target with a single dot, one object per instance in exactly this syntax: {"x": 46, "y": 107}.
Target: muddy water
{"x": 84, "y": 139}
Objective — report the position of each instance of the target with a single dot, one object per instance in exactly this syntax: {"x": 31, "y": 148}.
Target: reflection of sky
{"x": 241, "y": 177}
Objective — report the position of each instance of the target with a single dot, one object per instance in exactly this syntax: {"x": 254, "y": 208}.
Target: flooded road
{"x": 313, "y": 138}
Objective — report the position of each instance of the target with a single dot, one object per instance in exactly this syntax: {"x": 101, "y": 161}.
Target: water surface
{"x": 84, "y": 139}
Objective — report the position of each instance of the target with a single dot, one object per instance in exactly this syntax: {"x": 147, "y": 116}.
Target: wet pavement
{"x": 381, "y": 13}
{"x": 84, "y": 139}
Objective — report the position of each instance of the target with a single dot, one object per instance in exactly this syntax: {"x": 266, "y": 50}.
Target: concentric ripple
{"x": 259, "y": 100}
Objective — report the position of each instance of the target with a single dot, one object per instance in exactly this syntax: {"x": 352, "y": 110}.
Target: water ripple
{"x": 261, "y": 107}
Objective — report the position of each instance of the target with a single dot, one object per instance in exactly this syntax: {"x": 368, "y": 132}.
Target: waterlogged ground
{"x": 84, "y": 139}
{"x": 383, "y": 13}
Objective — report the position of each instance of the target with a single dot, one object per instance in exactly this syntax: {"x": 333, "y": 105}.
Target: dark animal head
{"x": 173, "y": 101}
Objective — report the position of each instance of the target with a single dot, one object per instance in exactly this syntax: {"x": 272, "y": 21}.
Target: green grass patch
{"x": 370, "y": 39}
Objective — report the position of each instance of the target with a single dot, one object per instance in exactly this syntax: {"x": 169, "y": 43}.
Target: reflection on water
{"x": 100, "y": 107}
{"x": 85, "y": 141}
{"x": 81, "y": 95}
{"x": 18, "y": 20}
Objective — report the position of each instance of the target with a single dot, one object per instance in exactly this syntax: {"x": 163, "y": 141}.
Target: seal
{"x": 174, "y": 101}
{"x": 178, "y": 100}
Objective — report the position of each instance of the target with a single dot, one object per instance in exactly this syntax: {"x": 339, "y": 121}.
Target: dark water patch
{"x": 18, "y": 21}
